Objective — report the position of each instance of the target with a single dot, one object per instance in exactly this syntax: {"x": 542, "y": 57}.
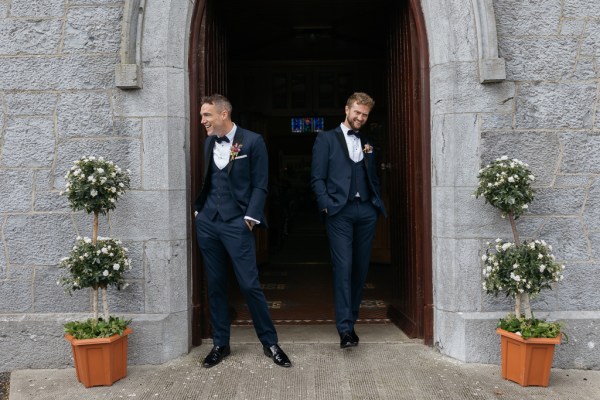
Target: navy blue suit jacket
{"x": 248, "y": 174}
{"x": 331, "y": 172}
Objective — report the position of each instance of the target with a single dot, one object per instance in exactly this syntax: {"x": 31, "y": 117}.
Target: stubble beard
{"x": 354, "y": 125}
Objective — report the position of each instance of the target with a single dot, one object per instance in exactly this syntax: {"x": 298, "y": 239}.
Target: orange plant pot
{"x": 100, "y": 361}
{"x": 526, "y": 361}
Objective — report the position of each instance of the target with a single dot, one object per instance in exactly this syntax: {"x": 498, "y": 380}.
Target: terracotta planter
{"x": 526, "y": 361}
{"x": 101, "y": 361}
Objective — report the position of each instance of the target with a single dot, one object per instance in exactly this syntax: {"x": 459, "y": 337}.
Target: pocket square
{"x": 238, "y": 157}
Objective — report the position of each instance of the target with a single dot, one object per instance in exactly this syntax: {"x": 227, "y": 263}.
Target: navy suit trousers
{"x": 217, "y": 239}
{"x": 350, "y": 233}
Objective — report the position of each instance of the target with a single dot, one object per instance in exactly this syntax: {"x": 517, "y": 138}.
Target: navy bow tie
{"x": 222, "y": 139}
{"x": 351, "y": 132}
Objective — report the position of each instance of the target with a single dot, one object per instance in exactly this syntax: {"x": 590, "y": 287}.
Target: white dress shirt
{"x": 353, "y": 143}
{"x": 222, "y": 151}
{"x": 354, "y": 149}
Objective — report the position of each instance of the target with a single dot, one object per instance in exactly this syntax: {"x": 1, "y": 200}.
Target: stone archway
{"x": 413, "y": 308}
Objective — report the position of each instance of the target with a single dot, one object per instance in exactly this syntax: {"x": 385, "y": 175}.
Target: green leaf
{"x": 531, "y": 328}
{"x": 91, "y": 329}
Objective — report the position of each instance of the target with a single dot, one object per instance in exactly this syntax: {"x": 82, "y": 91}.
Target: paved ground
{"x": 386, "y": 365}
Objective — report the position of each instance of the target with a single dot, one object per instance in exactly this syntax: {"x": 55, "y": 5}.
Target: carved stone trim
{"x": 491, "y": 67}
{"x": 128, "y": 74}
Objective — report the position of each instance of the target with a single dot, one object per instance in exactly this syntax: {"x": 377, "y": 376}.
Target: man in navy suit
{"x": 344, "y": 179}
{"x": 230, "y": 205}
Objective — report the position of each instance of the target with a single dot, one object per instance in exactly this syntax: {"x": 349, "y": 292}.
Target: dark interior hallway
{"x": 288, "y": 71}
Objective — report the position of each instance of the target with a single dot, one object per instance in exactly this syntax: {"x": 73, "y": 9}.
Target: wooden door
{"x": 381, "y": 252}
{"x": 208, "y": 74}
{"x": 409, "y": 175}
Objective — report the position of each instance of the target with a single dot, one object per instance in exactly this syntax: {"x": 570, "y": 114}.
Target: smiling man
{"x": 229, "y": 206}
{"x": 344, "y": 179}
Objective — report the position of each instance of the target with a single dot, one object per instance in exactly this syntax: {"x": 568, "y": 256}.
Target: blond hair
{"x": 361, "y": 99}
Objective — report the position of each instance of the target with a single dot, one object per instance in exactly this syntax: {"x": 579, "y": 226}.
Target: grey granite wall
{"x": 544, "y": 113}
{"x": 58, "y": 101}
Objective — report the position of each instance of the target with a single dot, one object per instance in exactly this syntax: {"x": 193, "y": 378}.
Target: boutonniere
{"x": 367, "y": 148}
{"x": 235, "y": 150}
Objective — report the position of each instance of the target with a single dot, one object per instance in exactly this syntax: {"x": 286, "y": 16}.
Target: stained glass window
{"x": 318, "y": 124}
{"x": 307, "y": 124}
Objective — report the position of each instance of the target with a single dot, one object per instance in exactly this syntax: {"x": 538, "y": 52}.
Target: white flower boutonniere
{"x": 367, "y": 148}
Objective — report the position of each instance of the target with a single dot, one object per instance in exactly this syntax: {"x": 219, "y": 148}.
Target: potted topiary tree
{"x": 520, "y": 270}
{"x": 99, "y": 344}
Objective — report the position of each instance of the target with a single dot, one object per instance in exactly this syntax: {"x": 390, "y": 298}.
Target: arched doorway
{"x": 279, "y": 62}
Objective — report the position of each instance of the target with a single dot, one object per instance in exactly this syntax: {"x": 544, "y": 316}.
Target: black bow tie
{"x": 351, "y": 132}
{"x": 222, "y": 139}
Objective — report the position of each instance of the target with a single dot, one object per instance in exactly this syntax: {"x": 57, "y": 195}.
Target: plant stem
{"x": 526, "y": 305}
{"x": 105, "y": 303}
{"x": 95, "y": 302}
{"x": 520, "y": 298}
{"x": 513, "y": 225}
{"x": 95, "y": 228}
{"x": 95, "y": 288}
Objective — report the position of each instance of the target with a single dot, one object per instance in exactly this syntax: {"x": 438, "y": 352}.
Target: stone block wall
{"x": 546, "y": 114}
{"x": 58, "y": 101}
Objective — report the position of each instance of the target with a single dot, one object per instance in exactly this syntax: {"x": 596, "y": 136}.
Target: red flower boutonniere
{"x": 367, "y": 148}
{"x": 235, "y": 150}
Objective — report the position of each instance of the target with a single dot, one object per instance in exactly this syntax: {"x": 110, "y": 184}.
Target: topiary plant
{"x": 94, "y": 185}
{"x": 520, "y": 270}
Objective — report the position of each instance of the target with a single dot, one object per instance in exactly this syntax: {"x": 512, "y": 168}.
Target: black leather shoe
{"x": 215, "y": 356}
{"x": 278, "y": 356}
{"x": 354, "y": 336}
{"x": 347, "y": 340}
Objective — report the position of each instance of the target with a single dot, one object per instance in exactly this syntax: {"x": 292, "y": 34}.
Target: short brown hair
{"x": 362, "y": 99}
{"x": 217, "y": 100}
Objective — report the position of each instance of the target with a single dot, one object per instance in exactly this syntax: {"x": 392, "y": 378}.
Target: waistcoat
{"x": 359, "y": 181}
{"x": 219, "y": 199}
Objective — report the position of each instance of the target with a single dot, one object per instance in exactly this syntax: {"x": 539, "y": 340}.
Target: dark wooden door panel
{"x": 208, "y": 74}
{"x": 409, "y": 175}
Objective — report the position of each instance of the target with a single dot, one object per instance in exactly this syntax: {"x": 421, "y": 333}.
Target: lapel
{"x": 238, "y": 139}
{"x": 364, "y": 141}
{"x": 340, "y": 135}
{"x": 208, "y": 155}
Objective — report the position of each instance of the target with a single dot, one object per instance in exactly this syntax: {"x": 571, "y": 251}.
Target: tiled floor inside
{"x": 302, "y": 294}
{"x": 298, "y": 283}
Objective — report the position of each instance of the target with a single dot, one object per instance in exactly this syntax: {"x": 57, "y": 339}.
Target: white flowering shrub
{"x": 506, "y": 184}
{"x": 95, "y": 265}
{"x": 520, "y": 270}
{"x": 95, "y": 185}
{"x": 526, "y": 268}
